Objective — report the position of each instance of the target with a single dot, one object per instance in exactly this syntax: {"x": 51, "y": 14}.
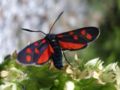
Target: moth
{"x": 52, "y": 45}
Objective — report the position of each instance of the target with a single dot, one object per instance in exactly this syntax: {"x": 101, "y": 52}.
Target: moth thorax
{"x": 51, "y": 37}
{"x": 53, "y": 40}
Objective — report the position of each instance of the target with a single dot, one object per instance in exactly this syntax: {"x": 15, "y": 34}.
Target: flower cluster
{"x": 11, "y": 78}
{"x": 93, "y": 73}
{"x": 95, "y": 69}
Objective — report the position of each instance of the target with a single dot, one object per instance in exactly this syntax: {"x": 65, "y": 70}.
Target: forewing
{"x": 38, "y": 52}
{"x": 77, "y": 39}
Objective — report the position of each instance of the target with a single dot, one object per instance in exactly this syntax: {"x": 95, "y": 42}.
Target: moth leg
{"x": 67, "y": 59}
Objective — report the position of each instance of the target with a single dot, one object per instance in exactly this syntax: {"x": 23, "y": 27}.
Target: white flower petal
{"x": 69, "y": 85}
{"x": 4, "y": 73}
{"x": 76, "y": 57}
{"x": 92, "y": 62}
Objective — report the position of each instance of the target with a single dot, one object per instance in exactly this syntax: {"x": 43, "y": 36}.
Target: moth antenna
{"x": 32, "y": 31}
{"x": 56, "y": 21}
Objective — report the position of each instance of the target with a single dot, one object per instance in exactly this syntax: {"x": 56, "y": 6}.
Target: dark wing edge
{"x": 78, "y": 39}
{"x": 32, "y": 53}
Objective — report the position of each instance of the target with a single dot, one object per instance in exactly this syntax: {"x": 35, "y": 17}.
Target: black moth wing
{"x": 77, "y": 39}
{"x": 35, "y": 52}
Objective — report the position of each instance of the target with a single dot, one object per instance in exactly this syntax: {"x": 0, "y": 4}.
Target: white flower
{"x": 69, "y": 70}
{"x": 76, "y": 57}
{"x": 4, "y": 73}
{"x": 10, "y": 77}
{"x": 111, "y": 66}
{"x": 117, "y": 72}
{"x": 94, "y": 64}
{"x": 13, "y": 75}
{"x": 69, "y": 85}
{"x": 108, "y": 73}
{"x": 102, "y": 74}
{"x": 95, "y": 75}
{"x": 95, "y": 69}
{"x": 8, "y": 86}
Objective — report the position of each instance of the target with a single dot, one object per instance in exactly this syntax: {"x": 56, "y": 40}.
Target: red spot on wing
{"x": 70, "y": 45}
{"x": 43, "y": 41}
{"x": 36, "y": 44}
{"x": 28, "y": 50}
{"x": 71, "y": 33}
{"x": 45, "y": 55}
{"x": 83, "y": 32}
{"x": 37, "y": 51}
{"x": 60, "y": 36}
{"x": 75, "y": 37}
{"x": 89, "y": 36}
{"x": 28, "y": 58}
